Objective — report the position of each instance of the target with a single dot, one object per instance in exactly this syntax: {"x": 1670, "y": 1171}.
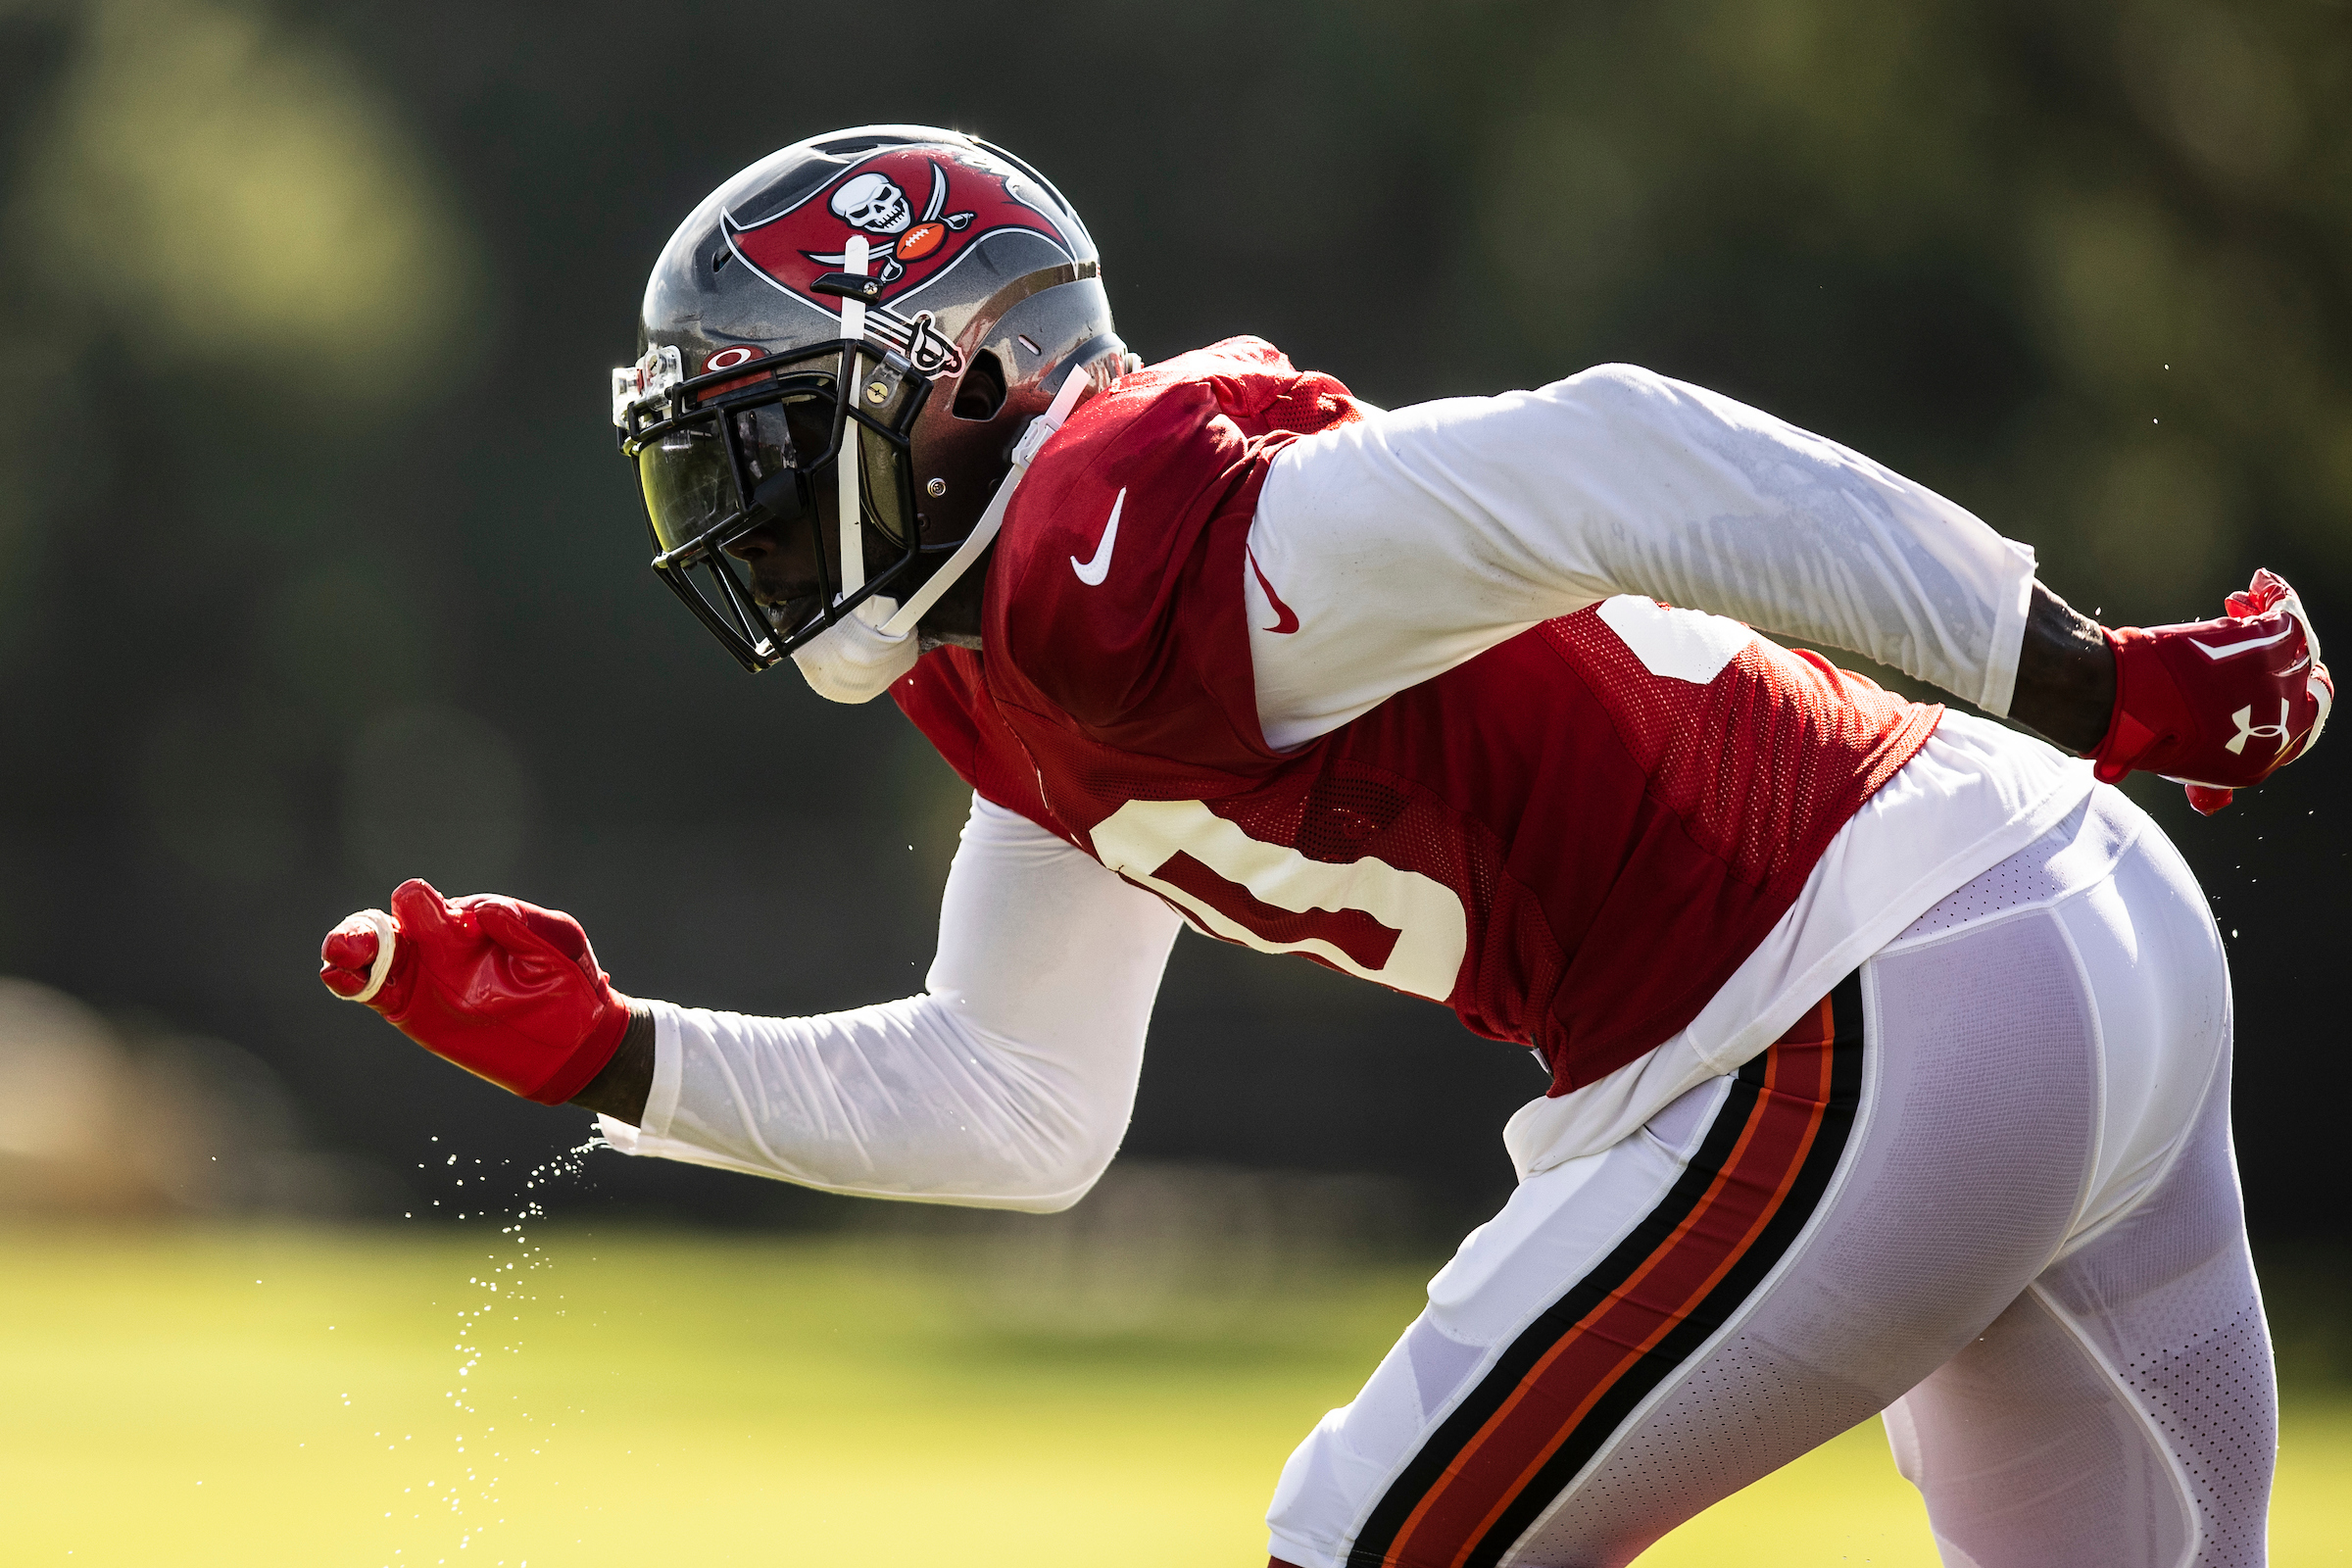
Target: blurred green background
{"x": 317, "y": 569}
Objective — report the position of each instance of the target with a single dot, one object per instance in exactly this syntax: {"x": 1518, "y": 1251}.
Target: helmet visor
{"x": 729, "y": 468}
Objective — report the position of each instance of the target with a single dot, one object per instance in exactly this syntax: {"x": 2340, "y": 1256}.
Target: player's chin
{"x": 789, "y": 614}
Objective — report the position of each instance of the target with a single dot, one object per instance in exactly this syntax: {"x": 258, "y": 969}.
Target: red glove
{"x": 2218, "y": 705}
{"x": 504, "y": 988}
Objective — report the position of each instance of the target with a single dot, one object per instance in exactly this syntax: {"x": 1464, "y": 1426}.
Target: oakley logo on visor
{"x": 728, "y": 359}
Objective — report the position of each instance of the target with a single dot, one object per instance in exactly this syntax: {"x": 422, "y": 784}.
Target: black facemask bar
{"x": 757, "y": 445}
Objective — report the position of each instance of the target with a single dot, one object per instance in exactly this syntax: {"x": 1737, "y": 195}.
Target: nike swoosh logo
{"x": 1092, "y": 573}
{"x": 2242, "y": 646}
{"x": 1285, "y": 622}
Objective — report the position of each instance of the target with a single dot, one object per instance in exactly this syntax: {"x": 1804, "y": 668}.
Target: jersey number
{"x": 1367, "y": 917}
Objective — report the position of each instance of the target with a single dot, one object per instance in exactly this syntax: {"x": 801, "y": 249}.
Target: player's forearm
{"x": 904, "y": 1099}
{"x": 1007, "y": 1084}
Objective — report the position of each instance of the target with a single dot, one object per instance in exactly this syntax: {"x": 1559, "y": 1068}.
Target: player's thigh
{"x": 2121, "y": 1414}
{"x": 1774, "y": 1259}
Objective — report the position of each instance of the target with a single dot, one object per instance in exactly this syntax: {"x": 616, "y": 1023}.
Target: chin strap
{"x": 1033, "y": 440}
{"x": 854, "y": 660}
{"x": 857, "y": 658}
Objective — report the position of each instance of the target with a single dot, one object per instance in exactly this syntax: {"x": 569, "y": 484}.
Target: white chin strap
{"x": 857, "y": 658}
{"x": 1033, "y": 440}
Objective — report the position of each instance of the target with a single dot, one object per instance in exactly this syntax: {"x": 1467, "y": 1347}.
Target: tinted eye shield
{"x": 712, "y": 451}
{"x": 754, "y": 446}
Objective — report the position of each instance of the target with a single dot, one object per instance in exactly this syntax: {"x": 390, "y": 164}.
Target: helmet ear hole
{"x": 981, "y": 391}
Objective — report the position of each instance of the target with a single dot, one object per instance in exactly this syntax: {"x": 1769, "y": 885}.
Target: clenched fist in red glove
{"x": 504, "y": 988}
{"x": 2218, "y": 705}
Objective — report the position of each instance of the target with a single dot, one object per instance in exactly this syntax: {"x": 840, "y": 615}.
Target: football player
{"x": 1889, "y": 1047}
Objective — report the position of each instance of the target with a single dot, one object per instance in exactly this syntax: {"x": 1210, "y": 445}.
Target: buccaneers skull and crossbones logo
{"x": 876, "y": 203}
{"x": 962, "y": 206}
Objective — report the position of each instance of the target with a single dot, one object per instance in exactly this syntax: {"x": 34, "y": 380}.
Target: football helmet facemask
{"x": 909, "y": 296}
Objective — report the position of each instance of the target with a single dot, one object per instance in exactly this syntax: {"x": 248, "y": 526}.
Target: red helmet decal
{"x": 920, "y": 210}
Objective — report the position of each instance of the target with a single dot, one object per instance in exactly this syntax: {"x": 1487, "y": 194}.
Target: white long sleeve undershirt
{"x": 1418, "y": 539}
{"x": 1403, "y": 545}
{"x": 1007, "y": 1084}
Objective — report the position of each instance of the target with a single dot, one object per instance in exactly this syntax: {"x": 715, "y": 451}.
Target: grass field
{"x": 192, "y": 1398}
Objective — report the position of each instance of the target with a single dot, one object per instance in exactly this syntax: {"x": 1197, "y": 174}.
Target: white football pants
{"x": 1988, "y": 1188}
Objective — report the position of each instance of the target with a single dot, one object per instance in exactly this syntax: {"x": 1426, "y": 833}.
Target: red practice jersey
{"x": 1572, "y": 838}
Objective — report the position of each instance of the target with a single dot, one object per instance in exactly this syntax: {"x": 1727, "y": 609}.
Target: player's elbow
{"x": 1020, "y": 1167}
{"x": 1052, "y": 1202}
{"x": 1614, "y": 385}
{"x": 1609, "y": 406}
{"x": 1032, "y": 1146}
{"x": 1037, "y": 1192}
{"x": 1042, "y": 1118}
{"x": 1060, "y": 1174}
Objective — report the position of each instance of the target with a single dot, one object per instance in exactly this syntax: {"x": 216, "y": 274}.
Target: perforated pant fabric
{"x": 2030, "y": 1254}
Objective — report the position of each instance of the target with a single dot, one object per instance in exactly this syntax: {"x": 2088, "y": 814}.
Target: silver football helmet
{"x": 910, "y": 296}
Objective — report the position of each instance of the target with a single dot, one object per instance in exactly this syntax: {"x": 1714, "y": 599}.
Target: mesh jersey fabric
{"x": 1761, "y": 768}
{"x": 1702, "y": 797}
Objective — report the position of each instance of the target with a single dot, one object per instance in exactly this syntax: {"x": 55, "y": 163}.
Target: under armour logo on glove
{"x": 2186, "y": 696}
{"x": 2248, "y": 730}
